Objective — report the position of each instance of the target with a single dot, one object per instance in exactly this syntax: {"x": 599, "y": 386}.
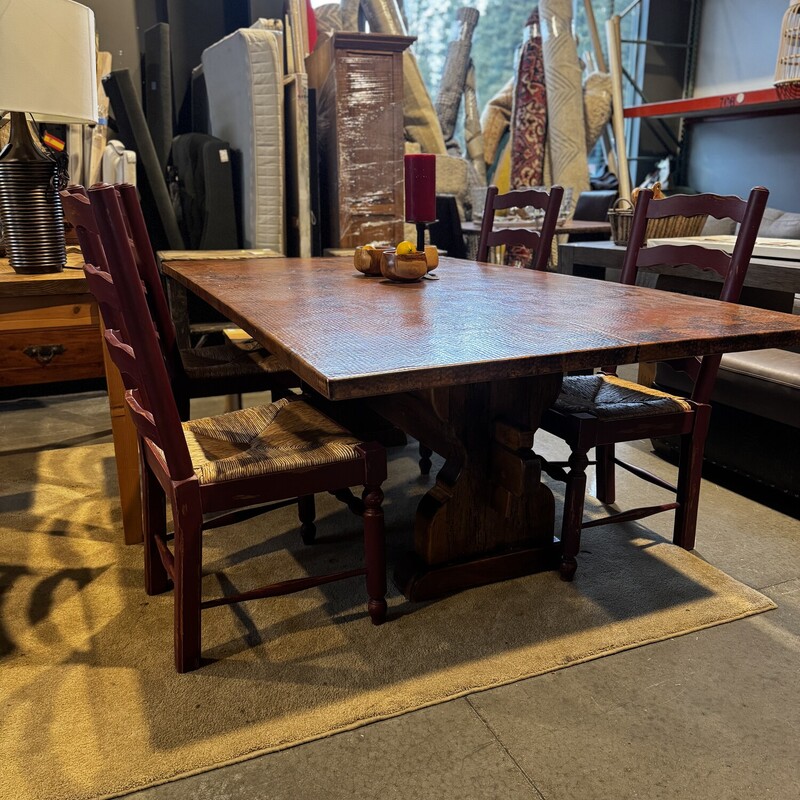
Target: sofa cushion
{"x": 775, "y": 224}
{"x": 718, "y": 227}
{"x": 780, "y": 224}
{"x": 765, "y": 383}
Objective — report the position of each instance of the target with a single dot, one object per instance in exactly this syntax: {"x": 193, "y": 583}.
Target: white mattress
{"x": 244, "y": 81}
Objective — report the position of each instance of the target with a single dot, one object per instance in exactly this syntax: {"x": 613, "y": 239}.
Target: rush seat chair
{"x": 219, "y": 470}
{"x": 195, "y": 371}
{"x": 537, "y": 241}
{"x": 601, "y": 410}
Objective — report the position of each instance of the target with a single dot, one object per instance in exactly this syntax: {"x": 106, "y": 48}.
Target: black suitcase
{"x": 201, "y": 186}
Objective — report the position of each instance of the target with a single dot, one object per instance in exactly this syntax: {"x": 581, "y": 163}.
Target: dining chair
{"x": 539, "y": 242}
{"x": 219, "y": 470}
{"x": 601, "y": 410}
{"x": 223, "y": 369}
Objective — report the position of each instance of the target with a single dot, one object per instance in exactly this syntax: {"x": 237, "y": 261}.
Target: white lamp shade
{"x": 47, "y": 60}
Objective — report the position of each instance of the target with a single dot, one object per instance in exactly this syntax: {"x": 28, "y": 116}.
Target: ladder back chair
{"x": 539, "y": 242}
{"x": 598, "y": 411}
{"x": 219, "y": 470}
{"x": 198, "y": 371}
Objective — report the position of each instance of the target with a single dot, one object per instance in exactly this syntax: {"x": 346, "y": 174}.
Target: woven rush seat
{"x": 286, "y": 435}
{"x": 228, "y": 361}
{"x": 610, "y": 397}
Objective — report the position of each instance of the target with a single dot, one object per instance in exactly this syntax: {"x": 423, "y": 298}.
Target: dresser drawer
{"x": 47, "y": 354}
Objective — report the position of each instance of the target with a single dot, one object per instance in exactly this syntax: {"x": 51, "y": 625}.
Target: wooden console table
{"x": 49, "y": 326}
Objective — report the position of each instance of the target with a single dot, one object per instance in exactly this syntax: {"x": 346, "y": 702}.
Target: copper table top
{"x": 347, "y": 335}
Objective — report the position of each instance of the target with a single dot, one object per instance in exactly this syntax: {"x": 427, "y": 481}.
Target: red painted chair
{"x": 194, "y": 372}
{"x": 537, "y": 241}
{"x": 223, "y": 469}
{"x": 600, "y": 410}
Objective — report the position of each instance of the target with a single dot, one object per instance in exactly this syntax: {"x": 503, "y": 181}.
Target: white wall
{"x": 738, "y": 45}
{"x": 115, "y": 23}
{"x": 737, "y": 50}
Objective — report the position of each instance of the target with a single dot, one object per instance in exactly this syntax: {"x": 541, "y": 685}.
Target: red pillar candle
{"x": 420, "y": 175}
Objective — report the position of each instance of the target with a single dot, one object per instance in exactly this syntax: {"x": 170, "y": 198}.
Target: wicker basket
{"x": 664, "y": 228}
{"x": 787, "y": 69}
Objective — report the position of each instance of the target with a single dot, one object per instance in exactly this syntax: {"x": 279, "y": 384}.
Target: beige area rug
{"x": 91, "y": 706}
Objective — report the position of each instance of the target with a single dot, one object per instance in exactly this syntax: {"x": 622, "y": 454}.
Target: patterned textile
{"x": 452, "y": 177}
{"x": 529, "y": 115}
{"x": 610, "y": 397}
{"x": 472, "y": 126}
{"x": 329, "y": 18}
{"x": 419, "y": 116}
{"x": 285, "y": 435}
{"x": 565, "y": 119}
{"x": 451, "y": 87}
{"x": 495, "y": 121}
{"x": 227, "y": 360}
{"x": 349, "y": 14}
{"x": 596, "y": 106}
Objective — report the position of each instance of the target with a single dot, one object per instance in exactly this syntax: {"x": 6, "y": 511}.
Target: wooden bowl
{"x": 367, "y": 260}
{"x": 431, "y": 257}
{"x": 405, "y": 268}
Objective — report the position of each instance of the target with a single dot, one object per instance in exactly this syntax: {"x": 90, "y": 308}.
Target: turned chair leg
{"x": 375, "y": 553}
{"x": 154, "y": 523}
{"x": 188, "y": 573}
{"x": 574, "y": 499}
{"x": 690, "y": 473}
{"x": 425, "y": 462}
{"x": 307, "y": 512}
{"x": 606, "y": 483}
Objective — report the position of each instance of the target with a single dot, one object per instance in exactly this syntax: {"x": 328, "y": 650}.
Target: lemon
{"x": 404, "y": 248}
{"x": 367, "y": 247}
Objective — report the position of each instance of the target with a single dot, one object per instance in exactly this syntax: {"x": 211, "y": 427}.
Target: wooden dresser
{"x": 359, "y": 82}
{"x": 50, "y": 331}
{"x": 49, "y": 326}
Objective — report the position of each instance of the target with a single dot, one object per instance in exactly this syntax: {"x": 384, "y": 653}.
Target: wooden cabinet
{"x": 49, "y": 327}
{"x": 359, "y": 83}
{"x": 50, "y": 331}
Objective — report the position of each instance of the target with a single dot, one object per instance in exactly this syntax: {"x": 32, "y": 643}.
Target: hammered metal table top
{"x": 347, "y": 335}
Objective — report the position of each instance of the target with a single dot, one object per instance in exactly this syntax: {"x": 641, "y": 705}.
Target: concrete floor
{"x": 709, "y": 715}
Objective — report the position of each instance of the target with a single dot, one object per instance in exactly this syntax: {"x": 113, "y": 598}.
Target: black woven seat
{"x": 611, "y": 397}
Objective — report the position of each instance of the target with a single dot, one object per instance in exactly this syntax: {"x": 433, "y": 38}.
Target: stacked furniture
{"x": 244, "y": 81}
{"x": 359, "y": 83}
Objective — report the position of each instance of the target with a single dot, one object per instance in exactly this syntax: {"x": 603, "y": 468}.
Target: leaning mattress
{"x": 244, "y": 82}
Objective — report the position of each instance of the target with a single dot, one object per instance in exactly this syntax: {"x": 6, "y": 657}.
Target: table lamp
{"x": 47, "y": 64}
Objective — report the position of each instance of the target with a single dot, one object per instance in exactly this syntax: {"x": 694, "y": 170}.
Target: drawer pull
{"x": 44, "y": 353}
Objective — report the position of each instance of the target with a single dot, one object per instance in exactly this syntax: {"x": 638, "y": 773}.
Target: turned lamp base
{"x": 30, "y": 208}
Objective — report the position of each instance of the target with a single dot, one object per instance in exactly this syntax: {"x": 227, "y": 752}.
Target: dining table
{"x": 466, "y": 360}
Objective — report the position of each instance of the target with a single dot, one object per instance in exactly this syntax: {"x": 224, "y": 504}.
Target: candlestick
{"x": 421, "y": 235}
{"x": 420, "y": 186}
